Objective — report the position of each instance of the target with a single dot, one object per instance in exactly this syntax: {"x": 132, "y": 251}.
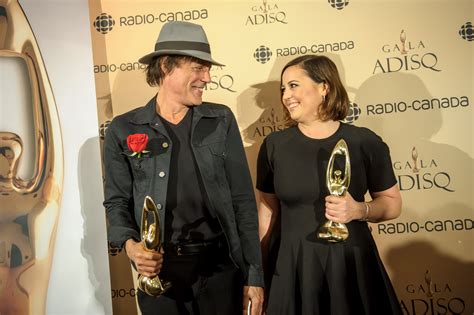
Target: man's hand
{"x": 254, "y": 296}
{"x": 148, "y": 263}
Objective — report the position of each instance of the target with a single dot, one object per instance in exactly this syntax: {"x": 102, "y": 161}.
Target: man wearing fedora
{"x": 187, "y": 155}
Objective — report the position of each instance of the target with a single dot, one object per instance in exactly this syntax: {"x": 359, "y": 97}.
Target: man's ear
{"x": 162, "y": 65}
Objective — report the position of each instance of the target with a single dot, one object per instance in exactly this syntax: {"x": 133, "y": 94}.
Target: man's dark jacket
{"x": 219, "y": 153}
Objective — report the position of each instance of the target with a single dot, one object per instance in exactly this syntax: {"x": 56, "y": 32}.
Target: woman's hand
{"x": 343, "y": 209}
{"x": 385, "y": 205}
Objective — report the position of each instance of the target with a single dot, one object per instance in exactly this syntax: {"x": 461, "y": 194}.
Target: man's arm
{"x": 253, "y": 301}
{"x": 243, "y": 202}
{"x": 118, "y": 191}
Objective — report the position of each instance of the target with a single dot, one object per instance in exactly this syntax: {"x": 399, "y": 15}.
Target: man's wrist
{"x": 128, "y": 243}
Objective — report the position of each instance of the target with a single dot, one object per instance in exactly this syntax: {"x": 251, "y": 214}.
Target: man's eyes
{"x": 201, "y": 68}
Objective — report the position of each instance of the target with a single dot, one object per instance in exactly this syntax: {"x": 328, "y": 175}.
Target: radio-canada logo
{"x": 113, "y": 251}
{"x": 338, "y": 4}
{"x": 353, "y": 114}
{"x": 406, "y": 54}
{"x": 262, "y": 54}
{"x": 104, "y": 23}
{"x": 103, "y": 129}
{"x": 467, "y": 32}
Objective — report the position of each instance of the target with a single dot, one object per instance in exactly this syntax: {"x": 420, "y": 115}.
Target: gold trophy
{"x": 29, "y": 207}
{"x": 331, "y": 231}
{"x": 151, "y": 238}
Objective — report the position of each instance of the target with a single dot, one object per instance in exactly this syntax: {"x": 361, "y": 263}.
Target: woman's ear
{"x": 325, "y": 89}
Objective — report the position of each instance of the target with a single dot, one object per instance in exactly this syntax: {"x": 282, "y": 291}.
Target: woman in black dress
{"x": 311, "y": 276}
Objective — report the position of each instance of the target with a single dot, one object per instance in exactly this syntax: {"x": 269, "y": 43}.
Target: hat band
{"x": 183, "y": 45}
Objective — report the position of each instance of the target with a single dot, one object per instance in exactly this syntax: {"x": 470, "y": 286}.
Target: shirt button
{"x": 158, "y": 206}
{"x": 161, "y": 174}
{"x": 165, "y": 145}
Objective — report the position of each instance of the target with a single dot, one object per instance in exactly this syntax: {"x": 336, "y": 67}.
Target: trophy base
{"x": 333, "y": 232}
{"x": 153, "y": 286}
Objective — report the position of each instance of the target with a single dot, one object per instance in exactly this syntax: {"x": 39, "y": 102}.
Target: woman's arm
{"x": 385, "y": 205}
{"x": 268, "y": 209}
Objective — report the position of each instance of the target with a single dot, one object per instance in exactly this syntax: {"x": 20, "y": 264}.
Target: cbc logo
{"x": 466, "y": 32}
{"x": 104, "y": 23}
{"x": 103, "y": 128}
{"x": 113, "y": 251}
{"x": 353, "y": 114}
{"x": 338, "y": 4}
{"x": 262, "y": 54}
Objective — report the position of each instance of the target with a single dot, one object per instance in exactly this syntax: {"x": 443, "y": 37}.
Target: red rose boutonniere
{"x": 137, "y": 144}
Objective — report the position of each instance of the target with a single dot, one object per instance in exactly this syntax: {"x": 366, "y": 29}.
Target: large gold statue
{"x": 29, "y": 207}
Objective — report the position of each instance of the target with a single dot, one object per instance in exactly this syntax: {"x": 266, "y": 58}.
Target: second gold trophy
{"x": 151, "y": 239}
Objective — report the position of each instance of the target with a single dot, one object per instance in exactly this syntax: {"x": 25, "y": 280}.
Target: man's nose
{"x": 206, "y": 76}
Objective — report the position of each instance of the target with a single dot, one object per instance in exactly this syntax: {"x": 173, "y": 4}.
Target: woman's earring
{"x": 324, "y": 98}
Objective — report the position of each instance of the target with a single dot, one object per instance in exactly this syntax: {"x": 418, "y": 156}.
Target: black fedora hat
{"x": 181, "y": 38}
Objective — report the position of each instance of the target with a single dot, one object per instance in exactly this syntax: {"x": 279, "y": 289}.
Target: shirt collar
{"x": 147, "y": 114}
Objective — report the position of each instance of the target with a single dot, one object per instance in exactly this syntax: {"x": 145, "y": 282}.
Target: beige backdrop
{"x": 408, "y": 68}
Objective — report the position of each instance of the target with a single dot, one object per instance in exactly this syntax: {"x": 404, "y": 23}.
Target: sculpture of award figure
{"x": 29, "y": 207}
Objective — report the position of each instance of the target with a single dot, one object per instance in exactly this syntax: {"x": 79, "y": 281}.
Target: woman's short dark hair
{"x": 154, "y": 72}
{"x": 321, "y": 69}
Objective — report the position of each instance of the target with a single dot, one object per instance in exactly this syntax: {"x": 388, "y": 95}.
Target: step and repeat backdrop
{"x": 408, "y": 68}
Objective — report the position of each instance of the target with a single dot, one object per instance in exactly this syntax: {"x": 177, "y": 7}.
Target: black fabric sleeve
{"x": 264, "y": 170}
{"x": 243, "y": 201}
{"x": 118, "y": 192}
{"x": 380, "y": 175}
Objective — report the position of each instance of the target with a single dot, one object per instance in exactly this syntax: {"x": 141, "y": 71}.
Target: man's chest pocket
{"x": 218, "y": 153}
{"x": 142, "y": 169}
{"x": 210, "y": 140}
